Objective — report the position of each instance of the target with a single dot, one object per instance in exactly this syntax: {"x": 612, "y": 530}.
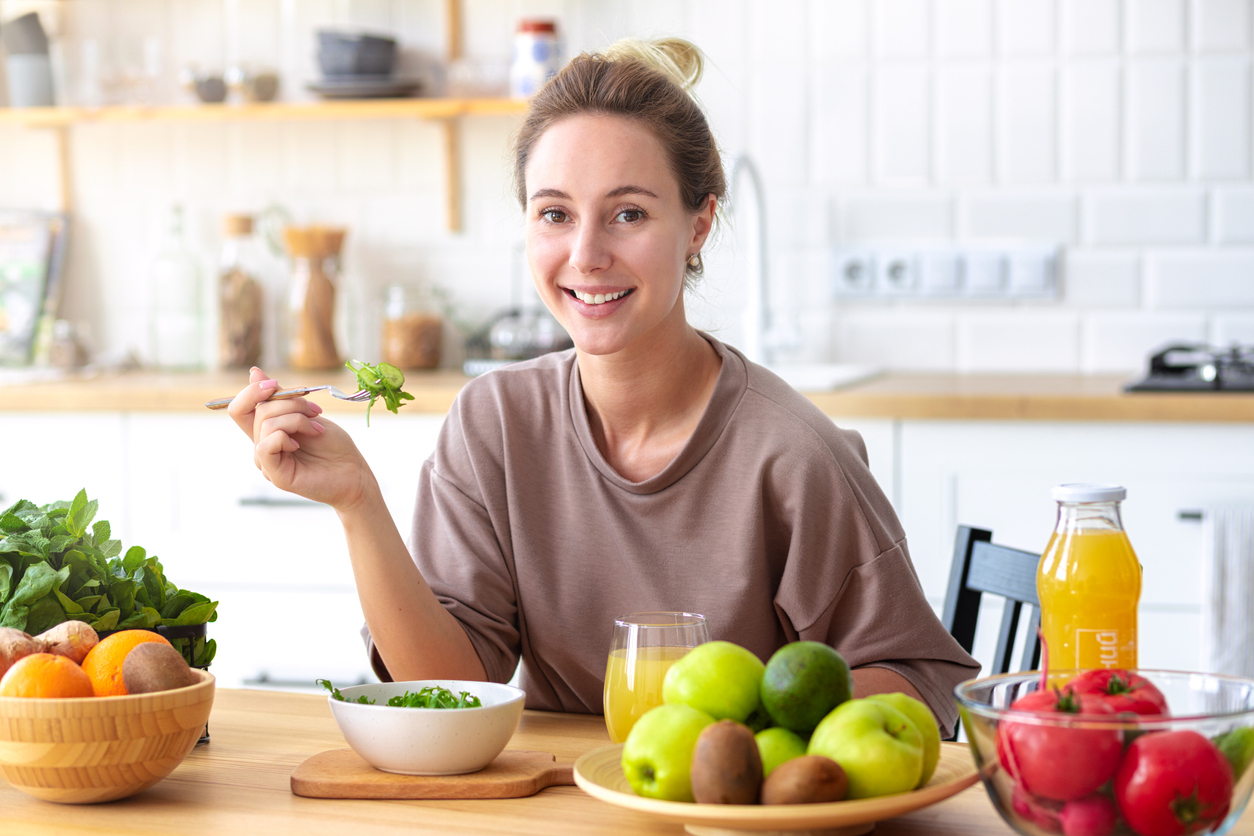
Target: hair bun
{"x": 680, "y": 60}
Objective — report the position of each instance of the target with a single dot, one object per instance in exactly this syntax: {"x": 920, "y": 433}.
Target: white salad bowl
{"x": 428, "y": 741}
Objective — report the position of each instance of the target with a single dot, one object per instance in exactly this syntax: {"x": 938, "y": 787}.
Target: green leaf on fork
{"x": 381, "y": 381}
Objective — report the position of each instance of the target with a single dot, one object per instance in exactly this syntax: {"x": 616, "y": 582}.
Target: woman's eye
{"x": 629, "y": 216}
{"x": 555, "y": 216}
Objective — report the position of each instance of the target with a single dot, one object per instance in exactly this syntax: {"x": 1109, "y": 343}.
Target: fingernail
{"x": 314, "y": 408}
{"x": 316, "y": 425}
{"x": 253, "y": 369}
{"x": 268, "y": 384}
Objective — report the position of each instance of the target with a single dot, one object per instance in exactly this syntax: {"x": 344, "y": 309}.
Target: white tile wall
{"x": 1122, "y": 130}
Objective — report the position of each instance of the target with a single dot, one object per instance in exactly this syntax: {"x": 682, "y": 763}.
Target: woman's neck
{"x": 644, "y": 404}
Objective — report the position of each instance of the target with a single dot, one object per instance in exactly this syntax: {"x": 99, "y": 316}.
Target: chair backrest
{"x": 979, "y": 567}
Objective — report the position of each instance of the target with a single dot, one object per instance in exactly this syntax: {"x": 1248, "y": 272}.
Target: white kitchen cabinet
{"x": 998, "y": 475}
{"x": 49, "y": 457}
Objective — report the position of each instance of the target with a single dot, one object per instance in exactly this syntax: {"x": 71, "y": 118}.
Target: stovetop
{"x": 1198, "y": 368}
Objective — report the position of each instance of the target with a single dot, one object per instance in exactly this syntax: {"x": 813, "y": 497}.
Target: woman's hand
{"x": 298, "y": 451}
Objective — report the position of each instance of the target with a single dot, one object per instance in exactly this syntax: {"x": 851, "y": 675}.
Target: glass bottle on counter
{"x": 412, "y": 328}
{"x": 176, "y": 317}
{"x": 240, "y": 296}
{"x": 1089, "y": 582}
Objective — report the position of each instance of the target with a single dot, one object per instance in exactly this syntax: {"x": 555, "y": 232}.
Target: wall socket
{"x": 965, "y": 270}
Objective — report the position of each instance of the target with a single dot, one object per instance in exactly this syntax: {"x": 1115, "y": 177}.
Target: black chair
{"x": 981, "y": 567}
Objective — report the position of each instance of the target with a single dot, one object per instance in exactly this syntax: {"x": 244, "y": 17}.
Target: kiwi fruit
{"x": 809, "y": 779}
{"x": 726, "y": 765}
{"x": 155, "y": 666}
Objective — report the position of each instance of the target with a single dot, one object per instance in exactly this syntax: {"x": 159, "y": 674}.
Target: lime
{"x": 803, "y": 681}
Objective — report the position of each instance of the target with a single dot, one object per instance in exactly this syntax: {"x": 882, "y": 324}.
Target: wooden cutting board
{"x": 341, "y": 773}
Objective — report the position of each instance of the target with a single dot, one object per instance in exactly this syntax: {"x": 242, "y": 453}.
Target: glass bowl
{"x": 1038, "y": 767}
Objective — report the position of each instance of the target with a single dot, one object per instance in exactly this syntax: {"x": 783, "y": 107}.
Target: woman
{"x": 649, "y": 468}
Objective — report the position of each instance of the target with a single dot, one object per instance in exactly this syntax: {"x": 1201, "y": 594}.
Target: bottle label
{"x": 1098, "y": 649}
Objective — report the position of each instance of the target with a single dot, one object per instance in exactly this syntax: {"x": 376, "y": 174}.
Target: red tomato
{"x": 1055, "y": 761}
{"x": 1122, "y": 690}
{"x": 1173, "y": 782}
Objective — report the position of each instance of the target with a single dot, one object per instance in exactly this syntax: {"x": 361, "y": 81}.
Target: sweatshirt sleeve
{"x": 849, "y": 581}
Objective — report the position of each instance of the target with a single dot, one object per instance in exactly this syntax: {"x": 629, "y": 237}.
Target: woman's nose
{"x": 590, "y": 251}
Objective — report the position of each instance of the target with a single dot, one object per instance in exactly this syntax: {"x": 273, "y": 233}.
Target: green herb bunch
{"x": 381, "y": 381}
{"x": 57, "y": 565}
{"x": 432, "y": 696}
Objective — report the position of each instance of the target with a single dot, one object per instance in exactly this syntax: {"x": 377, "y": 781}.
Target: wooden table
{"x": 239, "y": 784}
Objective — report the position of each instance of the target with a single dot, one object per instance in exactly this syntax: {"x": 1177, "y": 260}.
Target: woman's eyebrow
{"x": 619, "y": 192}
{"x": 622, "y": 190}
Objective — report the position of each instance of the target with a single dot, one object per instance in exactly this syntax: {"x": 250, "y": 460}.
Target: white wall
{"x": 1118, "y": 128}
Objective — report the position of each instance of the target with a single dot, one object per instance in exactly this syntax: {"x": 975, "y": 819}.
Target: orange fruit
{"x": 45, "y": 675}
{"x": 103, "y": 663}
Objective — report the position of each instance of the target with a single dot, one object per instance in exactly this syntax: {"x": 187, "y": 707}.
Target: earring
{"x": 694, "y": 261}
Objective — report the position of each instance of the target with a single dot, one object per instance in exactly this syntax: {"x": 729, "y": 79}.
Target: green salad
{"x": 433, "y": 696}
{"x": 381, "y": 381}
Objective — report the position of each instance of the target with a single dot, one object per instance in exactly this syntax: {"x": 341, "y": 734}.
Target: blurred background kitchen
{"x": 962, "y": 187}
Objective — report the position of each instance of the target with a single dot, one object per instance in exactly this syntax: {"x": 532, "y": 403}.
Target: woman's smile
{"x": 596, "y": 301}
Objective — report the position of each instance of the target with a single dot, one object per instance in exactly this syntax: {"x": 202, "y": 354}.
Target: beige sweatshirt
{"x": 768, "y": 522}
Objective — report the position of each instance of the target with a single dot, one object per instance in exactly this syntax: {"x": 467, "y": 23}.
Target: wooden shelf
{"x": 446, "y": 111}
{"x": 421, "y": 108}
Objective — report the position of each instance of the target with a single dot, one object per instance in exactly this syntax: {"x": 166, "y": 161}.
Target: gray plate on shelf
{"x": 364, "y": 87}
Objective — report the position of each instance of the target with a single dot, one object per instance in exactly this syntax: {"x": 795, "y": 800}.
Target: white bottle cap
{"x": 1088, "y": 492}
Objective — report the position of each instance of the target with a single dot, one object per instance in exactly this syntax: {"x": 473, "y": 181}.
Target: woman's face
{"x": 608, "y": 235}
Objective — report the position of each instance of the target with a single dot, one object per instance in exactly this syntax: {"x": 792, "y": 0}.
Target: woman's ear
{"x": 703, "y": 222}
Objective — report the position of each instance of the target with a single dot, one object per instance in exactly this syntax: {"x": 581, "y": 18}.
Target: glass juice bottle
{"x": 1089, "y": 583}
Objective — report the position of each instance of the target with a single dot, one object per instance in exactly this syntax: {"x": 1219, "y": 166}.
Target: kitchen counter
{"x": 1002, "y": 397}
{"x": 240, "y": 783}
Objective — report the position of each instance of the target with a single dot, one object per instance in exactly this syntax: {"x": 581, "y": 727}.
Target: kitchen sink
{"x": 822, "y": 377}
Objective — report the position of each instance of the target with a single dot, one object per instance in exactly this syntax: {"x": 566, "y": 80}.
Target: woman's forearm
{"x": 871, "y": 680}
{"x": 415, "y": 636}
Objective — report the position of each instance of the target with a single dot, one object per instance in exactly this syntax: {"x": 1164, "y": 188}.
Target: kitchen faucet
{"x": 760, "y": 338}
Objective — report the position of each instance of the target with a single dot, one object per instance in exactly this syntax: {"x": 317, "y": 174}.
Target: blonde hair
{"x": 649, "y": 82}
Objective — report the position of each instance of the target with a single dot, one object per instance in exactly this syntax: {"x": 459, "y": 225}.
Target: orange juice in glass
{"x": 643, "y": 648}
{"x": 1089, "y": 582}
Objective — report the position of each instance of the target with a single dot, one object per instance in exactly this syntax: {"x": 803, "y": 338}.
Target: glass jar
{"x": 240, "y": 296}
{"x": 176, "y": 316}
{"x": 1089, "y": 582}
{"x": 537, "y": 56}
{"x": 315, "y": 254}
{"x": 412, "y": 327}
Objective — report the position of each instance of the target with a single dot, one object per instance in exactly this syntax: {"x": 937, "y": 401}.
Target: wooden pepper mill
{"x": 315, "y": 252}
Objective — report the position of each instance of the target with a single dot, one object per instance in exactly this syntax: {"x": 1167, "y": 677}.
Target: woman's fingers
{"x": 243, "y": 406}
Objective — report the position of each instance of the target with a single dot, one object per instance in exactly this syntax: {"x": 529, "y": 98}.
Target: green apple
{"x": 657, "y": 755}
{"x": 878, "y": 747}
{"x": 776, "y": 745}
{"x": 924, "y": 721}
{"x": 720, "y": 678}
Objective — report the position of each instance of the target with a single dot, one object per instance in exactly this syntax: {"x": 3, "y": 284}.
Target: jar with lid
{"x": 537, "y": 56}
{"x": 1089, "y": 582}
{"x": 310, "y": 309}
{"x": 176, "y": 317}
{"x": 240, "y": 296}
{"x": 412, "y": 327}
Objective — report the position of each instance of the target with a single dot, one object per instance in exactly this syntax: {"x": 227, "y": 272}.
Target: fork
{"x": 356, "y": 397}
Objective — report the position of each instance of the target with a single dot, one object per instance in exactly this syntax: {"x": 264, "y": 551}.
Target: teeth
{"x": 599, "y": 298}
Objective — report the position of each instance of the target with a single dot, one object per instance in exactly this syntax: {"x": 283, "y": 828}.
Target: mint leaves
{"x": 57, "y": 565}
{"x": 432, "y": 696}
{"x": 381, "y": 381}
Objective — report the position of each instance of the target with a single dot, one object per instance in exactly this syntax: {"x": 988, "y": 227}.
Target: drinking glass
{"x": 644, "y": 646}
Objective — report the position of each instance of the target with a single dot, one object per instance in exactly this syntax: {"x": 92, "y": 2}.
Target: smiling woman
{"x": 649, "y": 468}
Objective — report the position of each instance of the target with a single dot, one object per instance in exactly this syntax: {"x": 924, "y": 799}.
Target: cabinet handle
{"x": 264, "y": 502}
{"x": 1189, "y": 516}
{"x": 263, "y": 678}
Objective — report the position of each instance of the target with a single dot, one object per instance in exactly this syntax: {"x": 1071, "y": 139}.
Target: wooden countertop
{"x": 240, "y": 783}
{"x": 892, "y": 396}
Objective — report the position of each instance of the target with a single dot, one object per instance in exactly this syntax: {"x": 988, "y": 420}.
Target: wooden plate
{"x": 599, "y": 773}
